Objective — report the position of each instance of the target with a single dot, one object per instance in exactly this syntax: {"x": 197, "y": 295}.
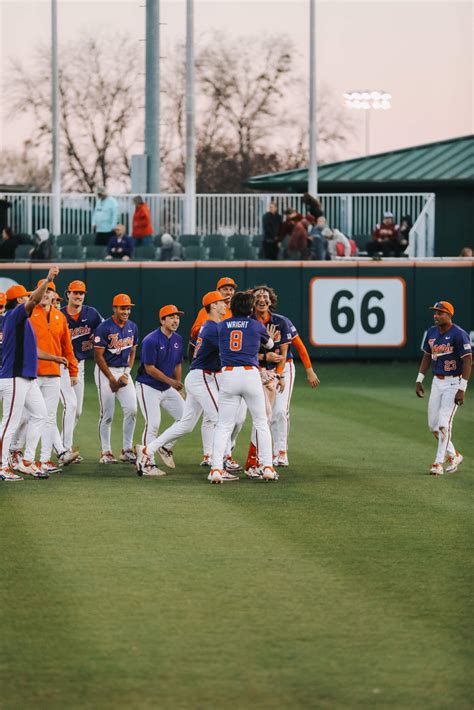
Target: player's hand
{"x": 420, "y": 392}
{"x": 274, "y": 357}
{"x": 62, "y": 360}
{"x": 459, "y": 398}
{"x": 312, "y": 378}
{"x": 114, "y": 384}
{"x": 123, "y": 380}
{"x": 281, "y": 384}
{"x": 177, "y": 385}
{"x": 52, "y": 273}
{"x": 272, "y": 330}
{"x": 74, "y": 381}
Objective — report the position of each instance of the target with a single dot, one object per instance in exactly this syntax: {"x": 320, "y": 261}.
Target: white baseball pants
{"x": 280, "y": 423}
{"x": 63, "y": 442}
{"x": 234, "y": 384}
{"x": 151, "y": 401}
{"x": 441, "y": 411}
{"x": 128, "y": 401}
{"x": 19, "y": 394}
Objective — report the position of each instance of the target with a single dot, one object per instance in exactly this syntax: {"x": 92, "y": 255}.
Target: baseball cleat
{"x": 151, "y": 471}
{"x": 48, "y": 467}
{"x": 107, "y": 457}
{"x": 6, "y": 474}
{"x": 206, "y": 460}
{"x": 14, "y": 456}
{"x": 167, "y": 456}
{"x": 253, "y": 472}
{"x": 454, "y": 462}
{"x": 231, "y": 465}
{"x": 269, "y": 474}
{"x": 67, "y": 457}
{"x": 29, "y": 468}
{"x": 228, "y": 476}
{"x": 142, "y": 461}
{"x": 78, "y": 459}
{"x": 436, "y": 469}
{"x": 282, "y": 459}
{"x": 215, "y": 476}
{"x": 128, "y": 456}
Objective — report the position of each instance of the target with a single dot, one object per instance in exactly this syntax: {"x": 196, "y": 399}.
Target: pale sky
{"x": 420, "y": 51}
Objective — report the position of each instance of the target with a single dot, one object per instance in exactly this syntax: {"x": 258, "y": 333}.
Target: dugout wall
{"x": 342, "y": 309}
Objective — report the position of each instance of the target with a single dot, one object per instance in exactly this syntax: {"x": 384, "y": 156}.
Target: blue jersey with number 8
{"x": 239, "y": 341}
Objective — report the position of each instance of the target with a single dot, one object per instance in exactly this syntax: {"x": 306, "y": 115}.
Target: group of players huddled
{"x": 241, "y": 360}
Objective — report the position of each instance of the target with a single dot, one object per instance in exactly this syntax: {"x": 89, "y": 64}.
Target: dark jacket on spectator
{"x": 8, "y": 247}
{"x": 123, "y": 246}
{"x": 271, "y": 224}
{"x": 42, "y": 250}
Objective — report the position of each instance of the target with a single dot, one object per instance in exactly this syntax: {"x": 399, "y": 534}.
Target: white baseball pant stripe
{"x": 128, "y": 401}
{"x": 280, "y": 423}
{"x": 63, "y": 442}
{"x": 19, "y": 394}
{"x": 234, "y": 384}
{"x": 441, "y": 411}
{"x": 201, "y": 398}
{"x": 151, "y": 401}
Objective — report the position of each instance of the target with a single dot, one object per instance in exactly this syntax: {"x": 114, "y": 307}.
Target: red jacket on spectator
{"x": 392, "y": 231}
{"x": 142, "y": 226}
{"x": 299, "y": 238}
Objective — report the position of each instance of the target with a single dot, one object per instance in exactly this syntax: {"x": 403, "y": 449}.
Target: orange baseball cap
{"x": 211, "y": 297}
{"x": 226, "y": 281}
{"x": 121, "y": 299}
{"x": 16, "y": 291}
{"x": 51, "y": 286}
{"x": 77, "y": 286}
{"x": 444, "y": 306}
{"x": 170, "y": 311}
{"x": 3, "y": 299}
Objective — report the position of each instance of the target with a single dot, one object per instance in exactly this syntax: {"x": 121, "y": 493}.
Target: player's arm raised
{"x": 36, "y": 295}
{"x": 103, "y": 367}
{"x": 424, "y": 366}
{"x": 466, "y": 373}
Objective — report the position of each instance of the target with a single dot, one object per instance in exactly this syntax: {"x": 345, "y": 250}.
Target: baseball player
{"x": 201, "y": 389}
{"x": 226, "y": 287}
{"x": 3, "y": 302}
{"x": 18, "y": 375}
{"x": 159, "y": 382}
{"x": 240, "y": 338}
{"x": 82, "y": 321}
{"x": 280, "y": 423}
{"x": 448, "y": 347}
{"x": 54, "y": 350}
{"x": 115, "y": 345}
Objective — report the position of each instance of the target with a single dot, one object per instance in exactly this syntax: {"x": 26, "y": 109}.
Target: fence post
{"x": 29, "y": 214}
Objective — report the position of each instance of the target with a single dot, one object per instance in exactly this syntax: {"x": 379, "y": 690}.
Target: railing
{"x": 355, "y": 215}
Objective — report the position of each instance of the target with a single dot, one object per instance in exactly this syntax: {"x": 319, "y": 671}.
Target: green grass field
{"x": 347, "y": 584}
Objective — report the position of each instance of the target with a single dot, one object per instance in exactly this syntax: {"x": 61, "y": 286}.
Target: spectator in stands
{"x": 318, "y": 245}
{"x": 120, "y": 246}
{"x": 142, "y": 228}
{"x": 104, "y": 218}
{"x": 466, "y": 252}
{"x": 171, "y": 250}
{"x": 271, "y": 224}
{"x": 406, "y": 224}
{"x": 8, "y": 244}
{"x": 313, "y": 205}
{"x": 334, "y": 237}
{"x": 42, "y": 248}
{"x": 298, "y": 246}
{"x": 385, "y": 238}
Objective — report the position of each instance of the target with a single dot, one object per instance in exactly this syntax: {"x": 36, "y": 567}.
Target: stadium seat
{"x": 245, "y": 252}
{"x": 72, "y": 252}
{"x": 237, "y": 239}
{"x": 88, "y": 240}
{"x": 23, "y": 251}
{"x": 63, "y": 240}
{"x": 211, "y": 240}
{"x": 190, "y": 240}
{"x": 23, "y": 238}
{"x": 195, "y": 253}
{"x": 144, "y": 253}
{"x": 221, "y": 252}
{"x": 94, "y": 252}
{"x": 257, "y": 240}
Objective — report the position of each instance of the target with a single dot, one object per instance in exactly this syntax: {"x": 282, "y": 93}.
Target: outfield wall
{"x": 342, "y": 309}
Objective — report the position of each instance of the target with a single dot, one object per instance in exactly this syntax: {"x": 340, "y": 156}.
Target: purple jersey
{"x": 20, "y": 353}
{"x": 163, "y": 353}
{"x": 240, "y": 339}
{"x": 293, "y": 334}
{"x": 82, "y": 331}
{"x": 206, "y": 354}
{"x": 118, "y": 342}
{"x": 282, "y": 337}
{"x": 2, "y": 318}
{"x": 447, "y": 349}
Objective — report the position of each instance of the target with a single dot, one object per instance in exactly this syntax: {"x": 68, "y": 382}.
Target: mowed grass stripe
{"x": 333, "y": 588}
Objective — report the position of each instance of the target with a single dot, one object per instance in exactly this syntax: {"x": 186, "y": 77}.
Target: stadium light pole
{"x": 367, "y": 100}
{"x": 152, "y": 95}
{"x": 56, "y": 166}
{"x": 190, "y": 169}
{"x": 313, "y": 166}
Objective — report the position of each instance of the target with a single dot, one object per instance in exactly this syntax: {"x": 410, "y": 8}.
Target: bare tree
{"x": 99, "y": 98}
{"x": 21, "y": 168}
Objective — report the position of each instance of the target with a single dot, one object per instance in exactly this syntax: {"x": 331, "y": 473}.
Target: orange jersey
{"x": 200, "y": 320}
{"x": 53, "y": 336}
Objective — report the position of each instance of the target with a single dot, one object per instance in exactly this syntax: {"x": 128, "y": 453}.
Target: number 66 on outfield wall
{"x": 350, "y": 312}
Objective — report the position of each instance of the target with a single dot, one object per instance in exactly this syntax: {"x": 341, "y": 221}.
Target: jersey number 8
{"x": 235, "y": 340}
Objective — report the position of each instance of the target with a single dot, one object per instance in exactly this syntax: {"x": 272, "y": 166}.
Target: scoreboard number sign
{"x": 357, "y": 312}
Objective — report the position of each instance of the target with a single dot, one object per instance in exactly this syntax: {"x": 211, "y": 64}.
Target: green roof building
{"x": 445, "y": 168}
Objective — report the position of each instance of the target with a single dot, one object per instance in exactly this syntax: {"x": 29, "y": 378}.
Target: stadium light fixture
{"x": 365, "y": 100}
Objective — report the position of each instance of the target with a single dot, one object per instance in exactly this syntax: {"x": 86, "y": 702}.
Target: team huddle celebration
{"x": 241, "y": 362}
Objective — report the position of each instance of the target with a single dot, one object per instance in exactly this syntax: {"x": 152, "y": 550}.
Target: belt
{"x": 211, "y": 372}
{"x": 245, "y": 367}
{"x": 448, "y": 377}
